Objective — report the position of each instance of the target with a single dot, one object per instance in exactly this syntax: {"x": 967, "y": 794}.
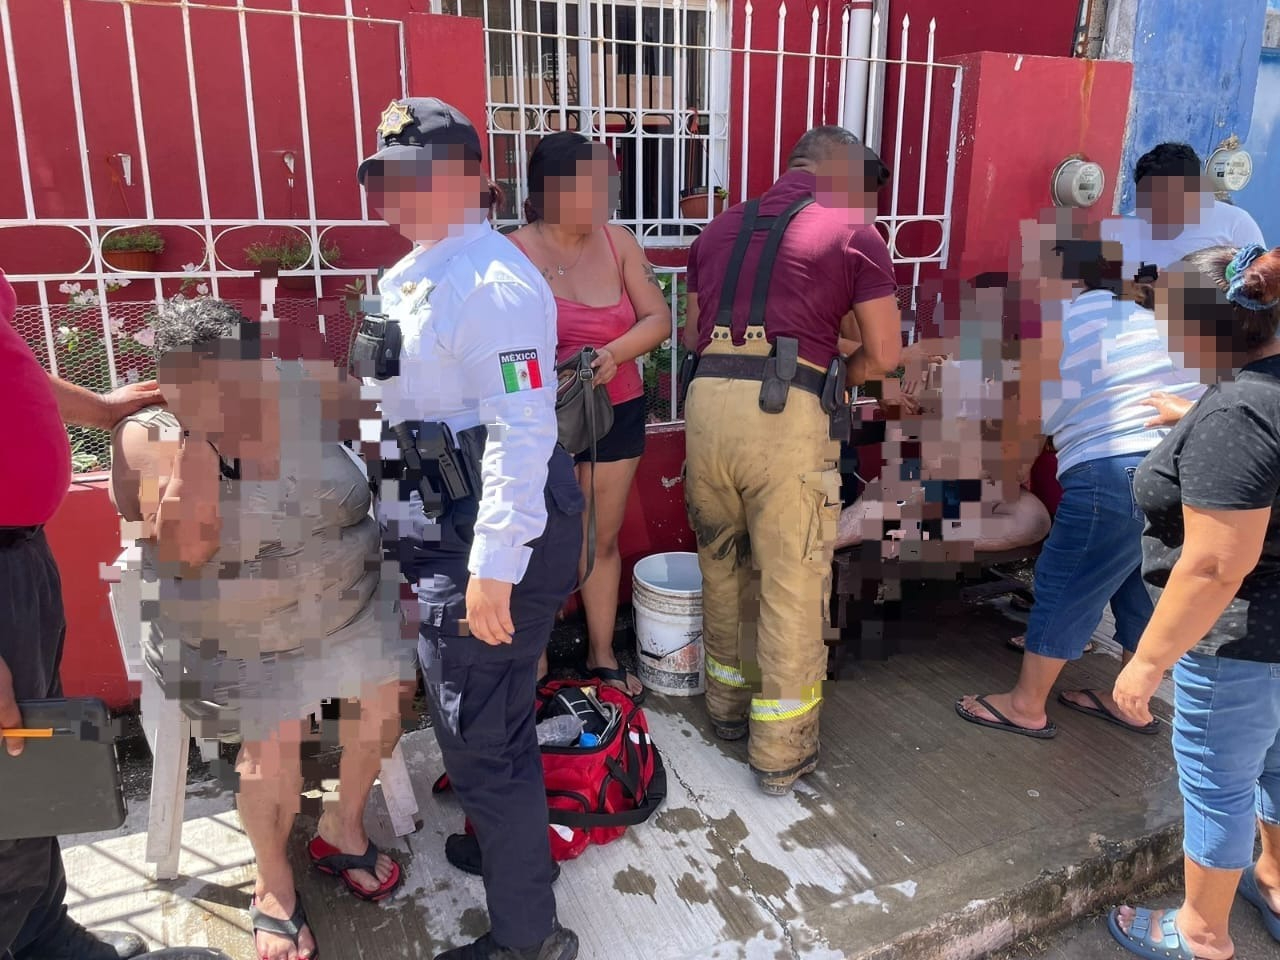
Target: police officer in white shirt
{"x": 1177, "y": 215}
{"x": 486, "y": 511}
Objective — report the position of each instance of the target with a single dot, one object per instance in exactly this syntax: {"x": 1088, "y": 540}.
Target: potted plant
{"x": 291, "y": 253}
{"x": 693, "y": 202}
{"x": 132, "y": 249}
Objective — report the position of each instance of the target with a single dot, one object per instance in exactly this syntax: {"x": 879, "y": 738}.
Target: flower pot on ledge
{"x": 693, "y": 203}
{"x": 142, "y": 261}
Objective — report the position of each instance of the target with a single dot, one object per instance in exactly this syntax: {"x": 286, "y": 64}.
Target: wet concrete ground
{"x": 920, "y": 836}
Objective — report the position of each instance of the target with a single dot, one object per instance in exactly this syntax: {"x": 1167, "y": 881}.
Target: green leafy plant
{"x": 720, "y": 192}
{"x": 291, "y": 253}
{"x": 83, "y": 460}
{"x": 143, "y": 240}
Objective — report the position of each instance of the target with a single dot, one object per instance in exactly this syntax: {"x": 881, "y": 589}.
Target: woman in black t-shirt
{"x": 1211, "y": 558}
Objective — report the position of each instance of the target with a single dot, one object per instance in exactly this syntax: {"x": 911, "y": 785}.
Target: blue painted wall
{"x": 1259, "y": 197}
{"x": 1195, "y": 72}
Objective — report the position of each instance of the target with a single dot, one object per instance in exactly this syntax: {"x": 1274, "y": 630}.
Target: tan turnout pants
{"x": 763, "y": 497}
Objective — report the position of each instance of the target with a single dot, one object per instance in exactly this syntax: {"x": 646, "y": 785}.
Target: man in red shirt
{"x": 35, "y": 472}
{"x": 774, "y": 285}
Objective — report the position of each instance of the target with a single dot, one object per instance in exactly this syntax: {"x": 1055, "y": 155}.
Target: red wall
{"x": 445, "y": 58}
{"x": 84, "y": 534}
{"x": 1020, "y": 117}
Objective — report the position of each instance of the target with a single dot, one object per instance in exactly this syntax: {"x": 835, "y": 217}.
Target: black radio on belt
{"x": 375, "y": 351}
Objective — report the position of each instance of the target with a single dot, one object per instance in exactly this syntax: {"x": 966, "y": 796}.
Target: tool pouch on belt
{"x": 835, "y": 400}
{"x": 688, "y": 369}
{"x": 779, "y": 371}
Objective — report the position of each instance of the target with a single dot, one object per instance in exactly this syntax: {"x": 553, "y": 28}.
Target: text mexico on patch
{"x": 520, "y": 370}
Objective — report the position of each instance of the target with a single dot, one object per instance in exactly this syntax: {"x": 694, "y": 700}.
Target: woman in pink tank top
{"x": 608, "y": 298}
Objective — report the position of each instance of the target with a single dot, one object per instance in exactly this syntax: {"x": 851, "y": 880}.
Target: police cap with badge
{"x": 413, "y": 131}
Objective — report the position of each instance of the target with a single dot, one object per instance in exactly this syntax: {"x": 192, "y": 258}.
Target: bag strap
{"x": 591, "y": 501}
{"x": 654, "y": 797}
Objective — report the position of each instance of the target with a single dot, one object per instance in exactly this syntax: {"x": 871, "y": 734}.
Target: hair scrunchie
{"x": 1235, "y": 276}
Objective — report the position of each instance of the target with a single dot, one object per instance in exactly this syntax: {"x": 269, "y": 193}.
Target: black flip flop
{"x": 1102, "y": 713}
{"x": 1047, "y": 732}
{"x": 611, "y": 676}
{"x": 290, "y": 929}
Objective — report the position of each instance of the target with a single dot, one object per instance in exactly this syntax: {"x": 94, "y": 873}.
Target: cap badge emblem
{"x": 395, "y": 118}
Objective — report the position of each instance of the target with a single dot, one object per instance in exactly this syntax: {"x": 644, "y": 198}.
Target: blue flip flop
{"x": 1163, "y": 944}
{"x": 1250, "y": 890}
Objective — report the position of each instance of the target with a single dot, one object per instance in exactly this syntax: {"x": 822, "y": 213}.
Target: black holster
{"x": 779, "y": 370}
{"x": 443, "y": 470}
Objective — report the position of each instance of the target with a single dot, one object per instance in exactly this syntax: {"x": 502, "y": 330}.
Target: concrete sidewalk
{"x": 920, "y": 837}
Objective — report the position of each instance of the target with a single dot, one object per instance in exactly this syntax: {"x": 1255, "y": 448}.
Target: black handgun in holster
{"x": 688, "y": 370}
{"x": 434, "y": 465}
{"x": 779, "y": 370}
{"x": 375, "y": 352}
{"x": 835, "y": 400}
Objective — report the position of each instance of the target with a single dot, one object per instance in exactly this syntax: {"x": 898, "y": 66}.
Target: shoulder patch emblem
{"x": 520, "y": 370}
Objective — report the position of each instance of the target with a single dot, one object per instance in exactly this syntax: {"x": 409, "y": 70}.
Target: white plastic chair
{"x": 168, "y": 730}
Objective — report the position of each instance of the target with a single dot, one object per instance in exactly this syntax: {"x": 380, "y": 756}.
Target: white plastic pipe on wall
{"x": 855, "y": 83}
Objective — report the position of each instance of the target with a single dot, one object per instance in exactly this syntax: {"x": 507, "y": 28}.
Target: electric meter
{"x": 1229, "y": 169}
{"x": 1077, "y": 183}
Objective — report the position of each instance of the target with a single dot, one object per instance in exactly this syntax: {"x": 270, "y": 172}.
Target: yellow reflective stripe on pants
{"x": 767, "y": 711}
{"x": 723, "y": 673}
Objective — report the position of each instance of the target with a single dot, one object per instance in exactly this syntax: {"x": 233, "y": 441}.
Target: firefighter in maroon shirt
{"x": 35, "y": 472}
{"x": 774, "y": 284}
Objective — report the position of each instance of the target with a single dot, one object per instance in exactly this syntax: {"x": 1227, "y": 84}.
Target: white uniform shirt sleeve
{"x": 504, "y": 339}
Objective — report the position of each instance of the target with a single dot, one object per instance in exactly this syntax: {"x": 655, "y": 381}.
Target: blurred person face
{"x": 230, "y": 401}
{"x": 585, "y": 201}
{"x": 430, "y": 197}
{"x": 1172, "y": 201}
{"x": 845, "y": 182}
{"x": 1195, "y": 321}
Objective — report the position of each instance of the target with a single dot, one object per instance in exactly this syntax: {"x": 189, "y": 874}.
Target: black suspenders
{"x": 753, "y": 223}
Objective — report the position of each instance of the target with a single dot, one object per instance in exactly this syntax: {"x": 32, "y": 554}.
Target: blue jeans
{"x": 1226, "y": 739}
{"x": 1093, "y": 556}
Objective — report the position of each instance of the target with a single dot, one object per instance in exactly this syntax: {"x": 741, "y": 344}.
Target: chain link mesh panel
{"x": 79, "y": 347}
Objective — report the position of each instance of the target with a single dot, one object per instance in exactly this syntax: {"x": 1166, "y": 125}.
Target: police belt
{"x": 725, "y": 367}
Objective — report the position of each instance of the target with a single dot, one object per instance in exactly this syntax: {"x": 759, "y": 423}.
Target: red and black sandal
{"x": 329, "y": 859}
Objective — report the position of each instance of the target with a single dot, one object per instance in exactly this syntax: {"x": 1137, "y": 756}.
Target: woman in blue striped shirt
{"x": 1113, "y": 359}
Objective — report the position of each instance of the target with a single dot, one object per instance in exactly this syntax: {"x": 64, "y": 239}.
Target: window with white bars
{"x": 650, "y": 79}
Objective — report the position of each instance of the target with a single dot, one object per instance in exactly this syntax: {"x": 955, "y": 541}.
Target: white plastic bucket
{"x": 667, "y": 597}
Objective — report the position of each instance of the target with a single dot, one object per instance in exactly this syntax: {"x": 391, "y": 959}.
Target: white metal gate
{"x": 78, "y": 329}
{"x": 656, "y": 80}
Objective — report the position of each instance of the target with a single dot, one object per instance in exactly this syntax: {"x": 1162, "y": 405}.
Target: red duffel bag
{"x": 594, "y": 793}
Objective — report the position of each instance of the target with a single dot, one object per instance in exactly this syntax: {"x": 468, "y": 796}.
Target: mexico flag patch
{"x": 520, "y": 370}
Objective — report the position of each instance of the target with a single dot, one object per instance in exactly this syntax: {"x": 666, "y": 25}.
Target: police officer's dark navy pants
{"x": 481, "y": 699}
{"x": 32, "y": 627}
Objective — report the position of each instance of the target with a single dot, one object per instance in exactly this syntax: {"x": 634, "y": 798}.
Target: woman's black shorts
{"x": 625, "y": 440}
